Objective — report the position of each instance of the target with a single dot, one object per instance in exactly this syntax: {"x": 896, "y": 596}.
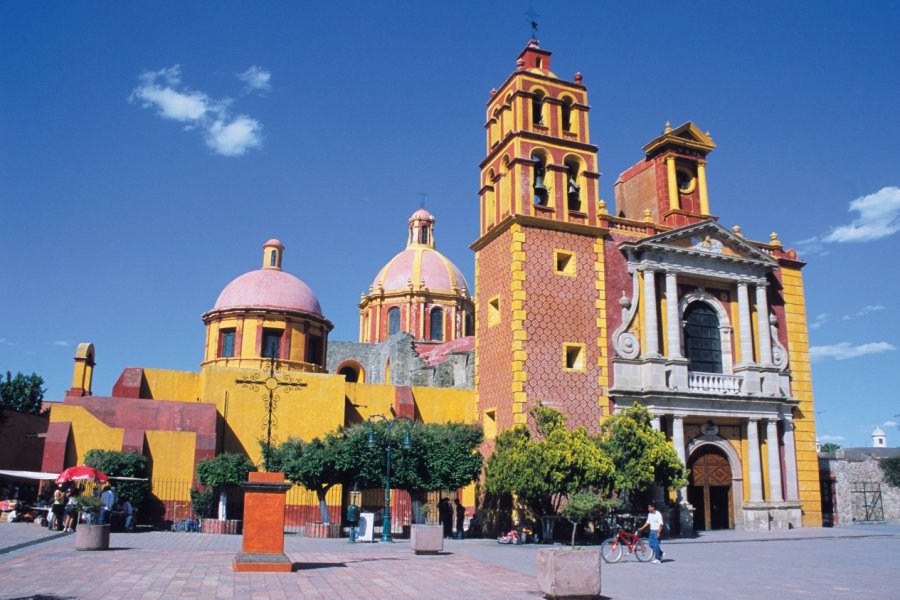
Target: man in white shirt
{"x": 655, "y": 524}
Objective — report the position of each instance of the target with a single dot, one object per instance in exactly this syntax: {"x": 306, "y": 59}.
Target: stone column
{"x": 659, "y": 494}
{"x": 744, "y": 324}
{"x": 651, "y": 336}
{"x": 672, "y": 183}
{"x": 678, "y": 444}
{"x": 673, "y": 318}
{"x": 762, "y": 326}
{"x": 790, "y": 460}
{"x": 753, "y": 463}
{"x": 774, "y": 457}
{"x": 701, "y": 188}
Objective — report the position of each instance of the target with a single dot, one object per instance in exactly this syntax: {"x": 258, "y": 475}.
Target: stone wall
{"x": 849, "y": 474}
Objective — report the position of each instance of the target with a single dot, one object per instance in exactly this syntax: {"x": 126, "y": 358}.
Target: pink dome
{"x": 421, "y": 265}
{"x": 268, "y": 288}
{"x": 422, "y": 214}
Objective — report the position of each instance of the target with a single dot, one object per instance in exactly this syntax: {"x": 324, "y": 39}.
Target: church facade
{"x": 578, "y": 306}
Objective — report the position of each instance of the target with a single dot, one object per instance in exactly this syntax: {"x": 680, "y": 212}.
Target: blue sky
{"x": 148, "y": 150}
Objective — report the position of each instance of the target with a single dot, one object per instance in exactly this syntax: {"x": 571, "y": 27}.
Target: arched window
{"x": 272, "y": 259}
{"x": 567, "y": 114}
{"x": 437, "y": 325}
{"x": 702, "y": 340}
{"x": 393, "y": 321}
{"x": 538, "y": 176}
{"x": 573, "y": 188}
{"x": 537, "y": 108}
{"x": 470, "y": 323}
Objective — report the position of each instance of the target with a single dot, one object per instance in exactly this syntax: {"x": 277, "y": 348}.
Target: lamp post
{"x": 389, "y": 423}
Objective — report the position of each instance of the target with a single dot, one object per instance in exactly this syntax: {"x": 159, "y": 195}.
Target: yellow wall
{"x": 440, "y": 405}
{"x": 183, "y": 386}
{"x": 801, "y": 388}
{"x": 88, "y": 432}
{"x": 172, "y": 459}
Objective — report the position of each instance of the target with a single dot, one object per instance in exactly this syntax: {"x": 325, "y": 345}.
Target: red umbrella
{"x": 82, "y": 473}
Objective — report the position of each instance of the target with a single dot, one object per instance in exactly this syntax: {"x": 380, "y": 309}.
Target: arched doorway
{"x": 710, "y": 490}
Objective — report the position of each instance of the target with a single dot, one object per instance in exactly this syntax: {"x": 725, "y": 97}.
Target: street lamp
{"x": 389, "y": 423}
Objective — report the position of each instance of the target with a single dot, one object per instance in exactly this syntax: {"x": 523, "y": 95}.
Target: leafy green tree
{"x": 543, "y": 472}
{"x": 222, "y": 472}
{"x": 582, "y": 505}
{"x": 830, "y": 447}
{"x": 116, "y": 463}
{"x": 23, "y": 393}
{"x": 891, "y": 468}
{"x": 641, "y": 455}
{"x": 440, "y": 457}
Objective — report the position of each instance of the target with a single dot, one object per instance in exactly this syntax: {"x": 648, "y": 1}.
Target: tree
{"x": 891, "y": 468}
{"x": 440, "y": 457}
{"x": 830, "y": 447}
{"x": 222, "y": 472}
{"x": 23, "y": 393}
{"x": 641, "y": 455}
{"x": 116, "y": 463}
{"x": 544, "y": 472}
{"x": 582, "y": 505}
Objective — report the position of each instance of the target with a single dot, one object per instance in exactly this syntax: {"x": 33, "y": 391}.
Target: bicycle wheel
{"x": 643, "y": 551}
{"x": 611, "y": 550}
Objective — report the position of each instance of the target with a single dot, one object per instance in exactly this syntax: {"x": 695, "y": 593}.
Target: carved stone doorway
{"x": 710, "y": 490}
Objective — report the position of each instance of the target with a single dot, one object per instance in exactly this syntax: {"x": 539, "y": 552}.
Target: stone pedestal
{"x": 263, "y": 542}
{"x": 427, "y": 539}
{"x": 92, "y": 537}
{"x": 569, "y": 573}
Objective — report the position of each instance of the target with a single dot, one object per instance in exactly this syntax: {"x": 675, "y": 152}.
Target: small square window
{"x": 493, "y": 311}
{"x": 271, "y": 343}
{"x": 564, "y": 263}
{"x": 573, "y": 357}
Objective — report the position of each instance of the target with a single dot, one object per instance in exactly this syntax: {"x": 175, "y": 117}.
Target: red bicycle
{"x": 612, "y": 549}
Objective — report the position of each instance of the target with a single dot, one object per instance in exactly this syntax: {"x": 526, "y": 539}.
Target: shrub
{"x": 891, "y": 468}
{"x": 205, "y": 503}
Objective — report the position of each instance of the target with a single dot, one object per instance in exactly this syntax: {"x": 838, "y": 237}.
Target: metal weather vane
{"x": 532, "y": 20}
{"x": 271, "y": 384}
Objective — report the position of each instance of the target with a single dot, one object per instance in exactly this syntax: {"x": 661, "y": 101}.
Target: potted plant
{"x": 425, "y": 538}
{"x": 90, "y": 535}
{"x": 572, "y": 572}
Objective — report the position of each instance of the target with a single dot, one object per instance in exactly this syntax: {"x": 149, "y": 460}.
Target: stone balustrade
{"x": 714, "y": 383}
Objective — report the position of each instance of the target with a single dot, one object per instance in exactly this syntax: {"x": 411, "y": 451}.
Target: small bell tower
{"x": 540, "y": 161}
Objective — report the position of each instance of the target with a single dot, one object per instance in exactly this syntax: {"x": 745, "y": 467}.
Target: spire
{"x": 421, "y": 229}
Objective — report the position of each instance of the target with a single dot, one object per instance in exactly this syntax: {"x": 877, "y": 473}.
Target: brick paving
{"x": 811, "y": 563}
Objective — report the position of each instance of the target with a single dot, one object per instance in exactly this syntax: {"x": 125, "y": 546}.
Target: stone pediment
{"x": 687, "y": 136}
{"x": 707, "y": 239}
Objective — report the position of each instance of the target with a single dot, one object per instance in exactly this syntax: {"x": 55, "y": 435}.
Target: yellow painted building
{"x": 579, "y": 306}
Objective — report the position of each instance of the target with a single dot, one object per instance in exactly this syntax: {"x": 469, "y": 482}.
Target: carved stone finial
{"x": 709, "y": 135}
{"x": 648, "y": 218}
{"x": 579, "y": 78}
{"x": 520, "y": 64}
{"x": 493, "y": 92}
{"x": 625, "y": 301}
{"x": 601, "y": 206}
{"x": 737, "y": 230}
{"x": 668, "y": 128}
{"x": 773, "y": 239}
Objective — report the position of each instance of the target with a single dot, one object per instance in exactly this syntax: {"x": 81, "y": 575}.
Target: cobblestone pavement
{"x": 852, "y": 562}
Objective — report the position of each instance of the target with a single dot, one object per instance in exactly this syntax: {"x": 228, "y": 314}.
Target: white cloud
{"x": 865, "y": 310}
{"x": 157, "y": 90}
{"x": 164, "y": 91}
{"x": 5, "y": 342}
{"x": 819, "y": 320}
{"x": 830, "y": 438}
{"x": 889, "y": 424}
{"x": 236, "y": 137}
{"x": 845, "y": 350}
{"x": 879, "y": 217}
{"x": 256, "y": 79}
{"x": 60, "y": 343}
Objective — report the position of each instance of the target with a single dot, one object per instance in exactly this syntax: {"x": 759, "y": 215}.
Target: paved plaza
{"x": 852, "y": 562}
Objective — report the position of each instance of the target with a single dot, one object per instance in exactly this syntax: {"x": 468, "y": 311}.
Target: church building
{"x": 579, "y": 306}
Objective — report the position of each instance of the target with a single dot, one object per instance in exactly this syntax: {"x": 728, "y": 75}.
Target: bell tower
{"x": 540, "y": 250}
{"x": 540, "y": 161}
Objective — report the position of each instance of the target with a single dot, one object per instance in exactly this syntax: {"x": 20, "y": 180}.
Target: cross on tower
{"x": 271, "y": 383}
{"x": 532, "y": 19}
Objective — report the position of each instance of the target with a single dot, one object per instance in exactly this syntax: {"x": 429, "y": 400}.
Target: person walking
{"x": 655, "y": 524}
{"x": 108, "y": 499}
{"x": 460, "y": 519}
{"x": 57, "y": 510}
{"x": 445, "y": 515}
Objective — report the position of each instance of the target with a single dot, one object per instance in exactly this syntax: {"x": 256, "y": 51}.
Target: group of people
{"x": 446, "y": 513}
{"x": 63, "y": 513}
